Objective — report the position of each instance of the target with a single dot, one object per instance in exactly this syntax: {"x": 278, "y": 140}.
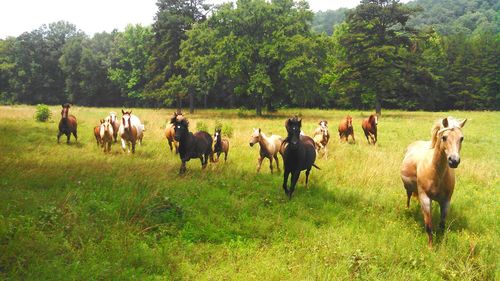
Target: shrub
{"x": 227, "y": 130}
{"x": 218, "y": 125}
{"x": 201, "y": 126}
{"x": 42, "y": 113}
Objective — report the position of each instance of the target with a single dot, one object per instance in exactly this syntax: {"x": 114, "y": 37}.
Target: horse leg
{"x": 295, "y": 178}
{"x": 325, "y": 153}
{"x": 271, "y": 163}
{"x": 170, "y": 144}
{"x": 426, "y": 205}
{"x": 182, "y": 170}
{"x": 285, "y": 180}
{"x": 408, "y": 194}
{"x": 124, "y": 145}
{"x": 202, "y": 162}
{"x": 366, "y": 135}
{"x": 58, "y": 136}
{"x": 277, "y": 162}
{"x": 445, "y": 207}
{"x": 259, "y": 163}
{"x": 68, "y": 135}
{"x": 307, "y": 177}
{"x": 225, "y": 156}
{"x": 109, "y": 145}
{"x": 133, "y": 146}
{"x": 75, "y": 135}
{"x": 353, "y": 137}
{"x": 218, "y": 155}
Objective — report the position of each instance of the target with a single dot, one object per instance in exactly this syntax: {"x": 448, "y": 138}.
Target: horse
{"x": 298, "y": 154}
{"x": 97, "y": 133}
{"x": 170, "y": 133}
{"x": 197, "y": 145}
{"x": 115, "y": 123}
{"x": 130, "y": 130}
{"x": 67, "y": 124}
{"x": 428, "y": 167}
{"x": 220, "y": 145}
{"x": 106, "y": 135}
{"x": 269, "y": 148}
{"x": 321, "y": 137}
{"x": 369, "y": 126}
{"x": 346, "y": 129}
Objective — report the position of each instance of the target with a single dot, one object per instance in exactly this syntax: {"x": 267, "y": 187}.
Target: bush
{"x": 201, "y": 126}
{"x": 42, "y": 113}
{"x": 227, "y": 130}
{"x": 218, "y": 125}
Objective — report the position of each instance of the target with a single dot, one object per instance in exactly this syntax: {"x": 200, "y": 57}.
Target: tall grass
{"x": 72, "y": 212}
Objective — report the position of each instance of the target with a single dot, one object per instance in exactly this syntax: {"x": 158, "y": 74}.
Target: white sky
{"x": 91, "y": 16}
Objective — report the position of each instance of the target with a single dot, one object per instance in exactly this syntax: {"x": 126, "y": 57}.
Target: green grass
{"x": 71, "y": 212}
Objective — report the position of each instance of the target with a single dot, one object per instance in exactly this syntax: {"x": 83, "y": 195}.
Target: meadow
{"x": 72, "y": 212}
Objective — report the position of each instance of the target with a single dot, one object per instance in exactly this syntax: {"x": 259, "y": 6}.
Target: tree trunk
{"x": 258, "y": 106}
{"x": 231, "y": 100}
{"x": 205, "y": 101}
{"x": 191, "y": 103}
{"x": 378, "y": 106}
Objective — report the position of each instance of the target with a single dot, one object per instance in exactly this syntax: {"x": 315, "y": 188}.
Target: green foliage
{"x": 227, "y": 130}
{"x": 202, "y": 126}
{"x": 42, "y": 113}
{"x": 327, "y": 21}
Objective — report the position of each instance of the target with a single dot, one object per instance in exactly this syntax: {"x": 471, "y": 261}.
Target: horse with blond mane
{"x": 321, "y": 138}
{"x": 131, "y": 130}
{"x": 269, "y": 148}
{"x": 427, "y": 169}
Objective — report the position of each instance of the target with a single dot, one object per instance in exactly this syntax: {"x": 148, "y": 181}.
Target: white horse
{"x": 131, "y": 130}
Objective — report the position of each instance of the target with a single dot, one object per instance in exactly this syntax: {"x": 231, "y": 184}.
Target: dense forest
{"x": 424, "y": 55}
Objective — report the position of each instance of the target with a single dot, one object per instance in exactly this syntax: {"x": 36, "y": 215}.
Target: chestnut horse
{"x": 97, "y": 133}
{"x": 106, "y": 135}
{"x": 67, "y": 124}
{"x": 427, "y": 169}
{"x": 115, "y": 123}
{"x": 220, "y": 145}
{"x": 346, "y": 129}
{"x": 321, "y": 137}
{"x": 131, "y": 130}
{"x": 369, "y": 126}
{"x": 170, "y": 132}
{"x": 298, "y": 154}
{"x": 197, "y": 145}
{"x": 269, "y": 148}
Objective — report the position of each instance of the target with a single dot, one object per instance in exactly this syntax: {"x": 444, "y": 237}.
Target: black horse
{"x": 197, "y": 145}
{"x": 298, "y": 153}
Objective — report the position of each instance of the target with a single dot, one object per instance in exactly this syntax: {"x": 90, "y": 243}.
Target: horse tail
{"x": 314, "y": 165}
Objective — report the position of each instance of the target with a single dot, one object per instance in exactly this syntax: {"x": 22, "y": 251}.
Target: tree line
{"x": 257, "y": 54}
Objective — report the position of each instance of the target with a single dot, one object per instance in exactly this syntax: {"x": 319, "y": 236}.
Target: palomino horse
{"x": 269, "y": 148}
{"x": 298, "y": 154}
{"x": 369, "y": 126}
{"x": 106, "y": 134}
{"x": 197, "y": 145}
{"x": 115, "y": 123}
{"x": 346, "y": 129}
{"x": 170, "y": 132}
{"x": 97, "y": 132}
{"x": 220, "y": 145}
{"x": 427, "y": 169}
{"x": 321, "y": 137}
{"x": 67, "y": 124}
{"x": 131, "y": 130}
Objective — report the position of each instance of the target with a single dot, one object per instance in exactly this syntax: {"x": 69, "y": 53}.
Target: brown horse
{"x": 220, "y": 145}
{"x": 321, "y": 137}
{"x": 369, "y": 126}
{"x": 269, "y": 148}
{"x": 67, "y": 124}
{"x": 106, "y": 134}
{"x": 346, "y": 129}
{"x": 427, "y": 169}
{"x": 97, "y": 133}
{"x": 170, "y": 132}
{"x": 131, "y": 130}
{"x": 115, "y": 123}
{"x": 298, "y": 154}
{"x": 197, "y": 145}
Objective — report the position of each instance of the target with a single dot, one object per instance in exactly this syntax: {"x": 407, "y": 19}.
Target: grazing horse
{"x": 115, "y": 123}
{"x": 346, "y": 129}
{"x": 427, "y": 169}
{"x": 220, "y": 145}
{"x": 106, "y": 134}
{"x": 321, "y": 137}
{"x": 97, "y": 134}
{"x": 197, "y": 145}
{"x": 130, "y": 130}
{"x": 269, "y": 148}
{"x": 369, "y": 126}
{"x": 170, "y": 132}
{"x": 298, "y": 154}
{"x": 67, "y": 124}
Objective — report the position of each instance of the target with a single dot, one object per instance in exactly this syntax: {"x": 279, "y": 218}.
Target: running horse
{"x": 369, "y": 126}
{"x": 321, "y": 138}
{"x": 428, "y": 169}
{"x": 67, "y": 124}
{"x": 220, "y": 145}
{"x": 115, "y": 123}
{"x": 170, "y": 132}
{"x": 346, "y": 129}
{"x": 269, "y": 148}
{"x": 131, "y": 130}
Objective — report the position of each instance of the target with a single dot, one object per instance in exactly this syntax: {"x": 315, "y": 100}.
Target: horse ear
{"x": 259, "y": 130}
{"x": 130, "y": 112}
{"x": 445, "y": 122}
{"x": 123, "y": 112}
{"x": 463, "y": 123}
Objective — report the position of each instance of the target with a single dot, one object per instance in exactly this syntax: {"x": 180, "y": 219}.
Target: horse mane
{"x": 439, "y": 128}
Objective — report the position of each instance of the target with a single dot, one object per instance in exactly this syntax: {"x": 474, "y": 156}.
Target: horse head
{"x": 126, "y": 120}
{"x": 65, "y": 110}
{"x": 448, "y": 137}
{"x": 349, "y": 121}
{"x": 112, "y": 117}
{"x": 217, "y": 136}
{"x": 373, "y": 119}
{"x": 323, "y": 124}
{"x": 255, "y": 138}
{"x": 292, "y": 126}
{"x": 181, "y": 127}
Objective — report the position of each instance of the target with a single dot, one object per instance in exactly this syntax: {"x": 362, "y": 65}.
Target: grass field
{"x": 71, "y": 212}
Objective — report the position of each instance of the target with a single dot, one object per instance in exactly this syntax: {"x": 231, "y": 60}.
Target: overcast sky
{"x": 91, "y": 16}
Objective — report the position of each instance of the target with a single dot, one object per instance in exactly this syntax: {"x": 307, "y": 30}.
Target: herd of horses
{"x": 427, "y": 170}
